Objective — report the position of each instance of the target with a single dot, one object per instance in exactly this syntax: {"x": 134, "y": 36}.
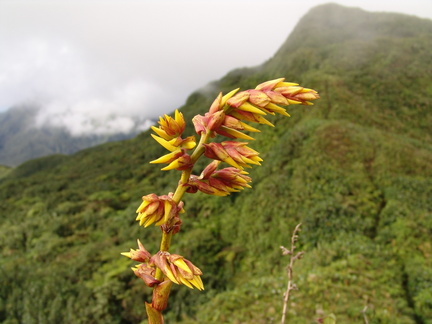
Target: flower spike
{"x": 229, "y": 115}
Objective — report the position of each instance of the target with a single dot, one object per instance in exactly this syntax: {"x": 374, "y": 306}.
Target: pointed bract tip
{"x": 126, "y": 254}
{"x": 228, "y": 96}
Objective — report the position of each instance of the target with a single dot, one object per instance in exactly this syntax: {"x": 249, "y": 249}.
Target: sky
{"x": 101, "y": 66}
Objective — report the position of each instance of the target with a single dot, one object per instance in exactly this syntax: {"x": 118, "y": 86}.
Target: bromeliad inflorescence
{"x": 228, "y": 116}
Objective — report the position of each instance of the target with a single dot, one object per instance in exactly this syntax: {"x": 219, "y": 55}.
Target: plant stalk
{"x": 155, "y": 316}
{"x": 293, "y": 258}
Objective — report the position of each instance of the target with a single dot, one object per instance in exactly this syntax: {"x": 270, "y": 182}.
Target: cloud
{"x": 91, "y": 60}
{"x": 29, "y": 70}
{"x": 104, "y": 66}
{"x": 83, "y": 100}
{"x": 123, "y": 110}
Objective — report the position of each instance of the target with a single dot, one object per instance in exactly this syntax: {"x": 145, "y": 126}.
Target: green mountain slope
{"x": 355, "y": 169}
{"x": 4, "y": 170}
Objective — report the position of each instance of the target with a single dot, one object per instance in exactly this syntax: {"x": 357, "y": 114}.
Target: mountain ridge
{"x": 22, "y": 140}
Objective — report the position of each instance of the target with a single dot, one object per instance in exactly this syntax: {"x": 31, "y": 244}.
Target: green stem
{"x": 199, "y": 150}
{"x": 178, "y": 195}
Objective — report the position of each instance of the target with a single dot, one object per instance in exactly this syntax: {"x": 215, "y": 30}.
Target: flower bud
{"x": 209, "y": 169}
{"x": 241, "y": 154}
{"x": 178, "y": 270}
{"x": 140, "y": 255}
{"x": 158, "y": 210}
{"x": 199, "y": 124}
{"x": 239, "y": 99}
{"x": 277, "y": 98}
{"x": 269, "y": 85}
{"x": 170, "y": 127}
{"x": 216, "y": 151}
{"x": 251, "y": 117}
{"x": 214, "y": 120}
{"x": 307, "y": 96}
{"x": 183, "y": 162}
{"x": 216, "y": 105}
{"x": 147, "y": 273}
{"x": 258, "y": 98}
{"x": 219, "y": 182}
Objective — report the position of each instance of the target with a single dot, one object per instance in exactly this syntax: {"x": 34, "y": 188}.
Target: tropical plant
{"x": 227, "y": 116}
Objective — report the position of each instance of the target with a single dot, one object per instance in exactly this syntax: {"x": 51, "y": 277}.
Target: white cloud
{"x": 73, "y": 95}
{"x": 123, "y": 110}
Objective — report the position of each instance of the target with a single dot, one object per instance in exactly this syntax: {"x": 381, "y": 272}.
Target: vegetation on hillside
{"x": 4, "y": 170}
{"x": 355, "y": 170}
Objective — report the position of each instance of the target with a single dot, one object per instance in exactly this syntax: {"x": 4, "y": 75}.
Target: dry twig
{"x": 364, "y": 315}
{"x": 293, "y": 258}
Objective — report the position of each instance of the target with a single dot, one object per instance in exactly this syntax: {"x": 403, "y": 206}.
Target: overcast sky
{"x": 112, "y": 60}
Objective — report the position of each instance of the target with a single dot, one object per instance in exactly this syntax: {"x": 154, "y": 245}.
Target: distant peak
{"x": 333, "y": 23}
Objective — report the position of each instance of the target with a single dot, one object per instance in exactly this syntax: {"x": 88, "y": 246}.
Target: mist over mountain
{"x": 26, "y": 133}
{"x": 355, "y": 170}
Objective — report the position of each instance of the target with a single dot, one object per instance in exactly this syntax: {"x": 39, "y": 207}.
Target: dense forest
{"x": 354, "y": 169}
